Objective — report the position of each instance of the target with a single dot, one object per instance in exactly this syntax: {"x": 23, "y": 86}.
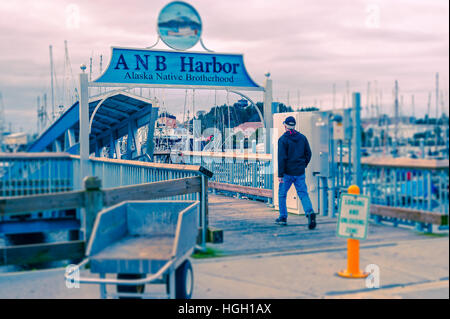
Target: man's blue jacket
{"x": 294, "y": 153}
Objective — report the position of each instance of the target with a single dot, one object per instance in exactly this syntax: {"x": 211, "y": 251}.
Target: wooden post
{"x": 93, "y": 203}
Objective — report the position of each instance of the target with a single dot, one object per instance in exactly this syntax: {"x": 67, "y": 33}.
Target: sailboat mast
{"x": 437, "y": 111}
{"x": 51, "y": 81}
{"x": 396, "y": 117}
{"x": 334, "y": 96}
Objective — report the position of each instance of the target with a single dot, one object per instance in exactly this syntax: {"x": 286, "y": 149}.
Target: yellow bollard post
{"x": 353, "y": 270}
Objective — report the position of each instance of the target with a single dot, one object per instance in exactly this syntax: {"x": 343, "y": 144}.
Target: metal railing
{"x": 408, "y": 188}
{"x": 24, "y": 174}
{"x": 92, "y": 198}
{"x": 243, "y": 169}
{"x": 115, "y": 173}
{"x": 416, "y": 184}
{"x": 407, "y": 183}
{"x": 44, "y": 173}
{"x": 35, "y": 173}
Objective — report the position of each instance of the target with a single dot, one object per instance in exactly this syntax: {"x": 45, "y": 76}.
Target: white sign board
{"x": 353, "y": 216}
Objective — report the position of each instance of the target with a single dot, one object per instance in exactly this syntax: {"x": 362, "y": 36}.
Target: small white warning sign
{"x": 353, "y": 216}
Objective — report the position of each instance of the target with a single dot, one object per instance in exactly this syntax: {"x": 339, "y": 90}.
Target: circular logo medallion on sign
{"x": 179, "y": 25}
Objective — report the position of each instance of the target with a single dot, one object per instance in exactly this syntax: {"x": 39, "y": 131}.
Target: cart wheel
{"x": 130, "y": 289}
{"x": 184, "y": 281}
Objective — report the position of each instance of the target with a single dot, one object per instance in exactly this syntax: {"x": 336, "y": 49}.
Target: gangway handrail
{"x": 402, "y": 162}
{"x": 174, "y": 167}
{"x": 198, "y": 169}
{"x": 26, "y": 155}
{"x": 370, "y": 161}
{"x": 234, "y": 154}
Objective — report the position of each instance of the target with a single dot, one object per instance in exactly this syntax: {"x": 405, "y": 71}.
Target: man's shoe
{"x": 281, "y": 221}
{"x": 312, "y": 221}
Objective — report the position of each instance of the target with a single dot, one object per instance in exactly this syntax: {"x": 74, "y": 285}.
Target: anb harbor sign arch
{"x": 172, "y": 69}
{"x": 179, "y": 27}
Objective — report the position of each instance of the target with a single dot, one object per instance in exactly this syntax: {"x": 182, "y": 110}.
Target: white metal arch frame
{"x": 253, "y": 103}
{"x": 112, "y": 93}
{"x": 86, "y": 121}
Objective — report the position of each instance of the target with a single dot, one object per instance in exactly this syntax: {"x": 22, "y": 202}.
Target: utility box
{"x": 314, "y": 125}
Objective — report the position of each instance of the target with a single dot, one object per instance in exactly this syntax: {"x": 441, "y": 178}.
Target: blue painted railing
{"x": 407, "y": 183}
{"x": 415, "y": 184}
{"x": 244, "y": 169}
{"x": 115, "y": 173}
{"x": 30, "y": 174}
{"x": 40, "y": 173}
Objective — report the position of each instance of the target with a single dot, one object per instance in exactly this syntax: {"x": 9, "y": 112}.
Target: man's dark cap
{"x": 290, "y": 120}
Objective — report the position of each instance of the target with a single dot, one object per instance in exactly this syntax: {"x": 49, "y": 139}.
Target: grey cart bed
{"x": 145, "y": 242}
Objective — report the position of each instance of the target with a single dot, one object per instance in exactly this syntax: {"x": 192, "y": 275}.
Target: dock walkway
{"x": 260, "y": 259}
{"x": 249, "y": 227}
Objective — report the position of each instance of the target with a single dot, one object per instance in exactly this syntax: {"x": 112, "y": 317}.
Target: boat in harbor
{"x": 181, "y": 32}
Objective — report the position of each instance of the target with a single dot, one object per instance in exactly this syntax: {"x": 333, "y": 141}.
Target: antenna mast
{"x": 69, "y": 81}
{"x": 90, "y": 68}
{"x": 42, "y": 114}
{"x": 437, "y": 111}
{"x": 368, "y": 100}
{"x": 38, "y": 114}
{"x": 101, "y": 70}
{"x": 347, "y": 99}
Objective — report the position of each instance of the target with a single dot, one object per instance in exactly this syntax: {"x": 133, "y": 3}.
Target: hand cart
{"x": 142, "y": 242}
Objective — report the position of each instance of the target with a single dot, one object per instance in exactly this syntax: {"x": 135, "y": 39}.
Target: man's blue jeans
{"x": 302, "y": 191}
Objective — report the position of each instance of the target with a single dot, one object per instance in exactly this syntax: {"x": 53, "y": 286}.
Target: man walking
{"x": 294, "y": 155}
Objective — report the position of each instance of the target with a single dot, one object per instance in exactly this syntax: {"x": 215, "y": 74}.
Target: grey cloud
{"x": 306, "y": 45}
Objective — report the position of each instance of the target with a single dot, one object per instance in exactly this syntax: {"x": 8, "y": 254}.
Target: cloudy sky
{"x": 306, "y": 45}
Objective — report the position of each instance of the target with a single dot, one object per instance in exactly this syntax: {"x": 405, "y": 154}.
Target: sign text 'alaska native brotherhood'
{"x": 141, "y": 66}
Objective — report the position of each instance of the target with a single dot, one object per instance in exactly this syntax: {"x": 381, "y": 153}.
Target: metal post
{"x": 429, "y": 190}
{"x": 103, "y": 292}
{"x": 203, "y": 211}
{"x": 324, "y": 196}
{"x": 341, "y": 165}
{"x": 332, "y": 190}
{"x": 318, "y": 194}
{"x": 357, "y": 140}
{"x": 172, "y": 283}
{"x": 268, "y": 116}
{"x": 196, "y": 142}
{"x": 84, "y": 123}
{"x": 348, "y": 177}
{"x": 422, "y": 148}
